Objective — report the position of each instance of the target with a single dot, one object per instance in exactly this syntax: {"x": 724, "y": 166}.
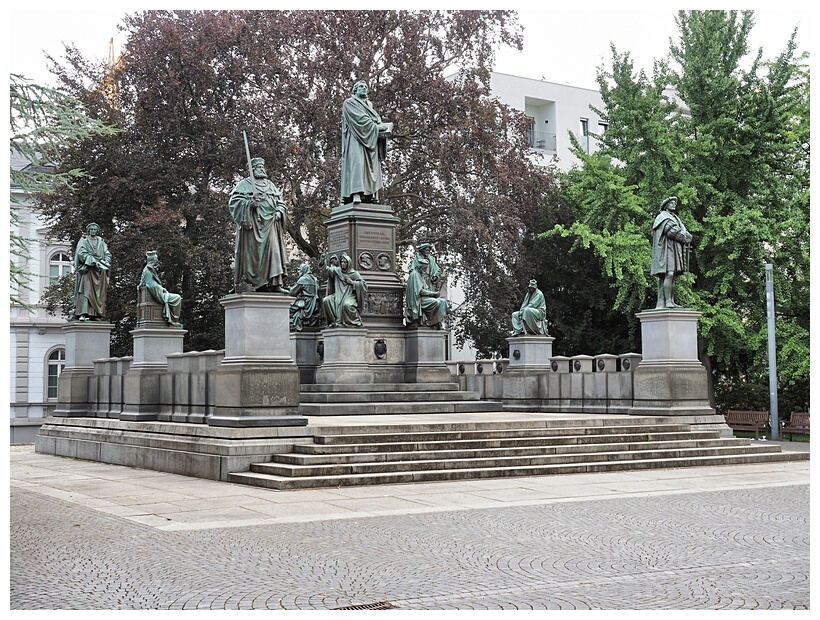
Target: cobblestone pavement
{"x": 735, "y": 549}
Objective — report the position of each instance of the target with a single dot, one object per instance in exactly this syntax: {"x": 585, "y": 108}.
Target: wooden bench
{"x": 748, "y": 420}
{"x": 798, "y": 423}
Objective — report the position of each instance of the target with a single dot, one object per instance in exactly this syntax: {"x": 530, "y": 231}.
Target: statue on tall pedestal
{"x": 670, "y": 251}
{"x": 346, "y": 292}
{"x": 532, "y": 317}
{"x": 92, "y": 261}
{"x": 150, "y": 280}
{"x": 364, "y": 145}
{"x": 424, "y": 303}
{"x": 304, "y": 311}
{"x": 260, "y": 214}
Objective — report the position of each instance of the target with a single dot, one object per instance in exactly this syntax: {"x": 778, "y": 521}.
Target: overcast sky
{"x": 560, "y": 45}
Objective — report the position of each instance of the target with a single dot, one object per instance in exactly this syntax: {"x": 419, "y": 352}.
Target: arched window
{"x": 58, "y": 265}
{"x": 56, "y": 362}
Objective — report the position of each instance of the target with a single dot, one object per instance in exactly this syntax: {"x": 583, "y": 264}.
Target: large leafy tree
{"x": 189, "y": 83}
{"x": 728, "y": 134}
{"x": 42, "y": 122}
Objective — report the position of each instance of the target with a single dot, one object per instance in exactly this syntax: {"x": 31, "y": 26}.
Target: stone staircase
{"x": 389, "y": 399}
{"x": 389, "y": 454}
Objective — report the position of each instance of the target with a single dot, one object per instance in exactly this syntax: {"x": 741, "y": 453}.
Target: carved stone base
{"x": 529, "y": 352}
{"x": 85, "y": 342}
{"x": 425, "y": 356}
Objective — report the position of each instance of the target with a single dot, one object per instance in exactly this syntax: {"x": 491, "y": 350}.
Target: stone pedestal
{"x": 367, "y": 232}
{"x": 307, "y": 350}
{"x": 424, "y": 350}
{"x": 84, "y": 343}
{"x": 345, "y": 357}
{"x": 257, "y": 383}
{"x": 670, "y": 380}
{"x": 141, "y": 388}
{"x": 530, "y": 353}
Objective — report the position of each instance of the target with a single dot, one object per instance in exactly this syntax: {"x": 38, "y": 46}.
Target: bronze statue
{"x": 670, "y": 251}
{"x": 346, "y": 292}
{"x": 532, "y": 317}
{"x": 364, "y": 145}
{"x": 92, "y": 261}
{"x": 260, "y": 214}
{"x": 424, "y": 303}
{"x": 304, "y": 311}
{"x": 150, "y": 280}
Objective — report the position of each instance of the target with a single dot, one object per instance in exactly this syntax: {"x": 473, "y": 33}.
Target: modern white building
{"x": 36, "y": 341}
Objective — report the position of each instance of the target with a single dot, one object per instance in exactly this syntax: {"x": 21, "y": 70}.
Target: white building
{"x": 554, "y": 110}
{"x": 36, "y": 341}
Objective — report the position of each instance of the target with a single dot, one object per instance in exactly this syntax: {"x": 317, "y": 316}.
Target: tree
{"x": 43, "y": 121}
{"x": 189, "y": 82}
{"x": 731, "y": 143}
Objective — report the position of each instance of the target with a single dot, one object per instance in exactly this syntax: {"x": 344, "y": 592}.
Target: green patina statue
{"x": 424, "y": 303}
{"x": 92, "y": 262}
{"x": 670, "y": 251}
{"x": 364, "y": 145}
{"x": 304, "y": 311}
{"x": 260, "y": 214}
{"x": 346, "y": 291}
{"x": 150, "y": 280}
{"x": 532, "y": 317}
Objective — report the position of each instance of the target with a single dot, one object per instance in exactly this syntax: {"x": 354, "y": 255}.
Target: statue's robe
{"x": 92, "y": 260}
{"x": 668, "y": 241}
{"x": 423, "y": 307}
{"x": 260, "y": 253}
{"x": 171, "y": 302}
{"x": 346, "y": 292}
{"x": 532, "y": 317}
{"x": 361, "y": 150}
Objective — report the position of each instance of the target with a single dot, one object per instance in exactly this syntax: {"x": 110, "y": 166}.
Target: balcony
{"x": 542, "y": 141}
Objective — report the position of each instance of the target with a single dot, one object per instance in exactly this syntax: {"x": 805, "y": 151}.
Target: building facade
{"x": 36, "y": 341}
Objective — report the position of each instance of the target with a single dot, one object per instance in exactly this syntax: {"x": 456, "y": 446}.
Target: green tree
{"x": 727, "y": 134}
{"x": 189, "y": 82}
{"x": 43, "y": 122}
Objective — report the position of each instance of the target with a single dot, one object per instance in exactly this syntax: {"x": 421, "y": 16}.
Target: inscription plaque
{"x": 374, "y": 238}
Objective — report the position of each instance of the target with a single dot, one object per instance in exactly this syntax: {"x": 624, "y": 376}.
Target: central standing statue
{"x": 260, "y": 214}
{"x": 364, "y": 145}
{"x": 92, "y": 261}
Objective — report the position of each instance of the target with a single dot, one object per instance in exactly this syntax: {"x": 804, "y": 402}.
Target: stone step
{"x": 383, "y": 397}
{"x": 639, "y": 422}
{"x": 647, "y": 452}
{"x": 425, "y": 434}
{"x": 399, "y": 408}
{"x": 427, "y": 453}
{"x": 306, "y": 388}
{"x": 438, "y": 475}
{"x": 497, "y": 443}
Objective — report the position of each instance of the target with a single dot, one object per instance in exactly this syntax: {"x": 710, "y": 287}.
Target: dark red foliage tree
{"x": 458, "y": 173}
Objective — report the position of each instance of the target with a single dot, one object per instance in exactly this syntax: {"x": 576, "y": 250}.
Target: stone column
{"x": 141, "y": 386}
{"x": 345, "y": 358}
{"x": 257, "y": 383}
{"x": 85, "y": 341}
{"x": 670, "y": 380}
{"x": 305, "y": 350}
{"x": 424, "y": 350}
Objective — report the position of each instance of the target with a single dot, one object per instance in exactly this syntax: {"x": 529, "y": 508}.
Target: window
{"x": 584, "y": 126}
{"x": 56, "y": 363}
{"x": 602, "y": 127}
{"x": 58, "y": 266}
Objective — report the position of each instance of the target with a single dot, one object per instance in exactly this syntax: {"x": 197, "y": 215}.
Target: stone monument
{"x": 158, "y": 334}
{"x": 530, "y": 343}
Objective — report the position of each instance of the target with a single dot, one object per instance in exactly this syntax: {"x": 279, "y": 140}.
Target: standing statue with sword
{"x": 256, "y": 205}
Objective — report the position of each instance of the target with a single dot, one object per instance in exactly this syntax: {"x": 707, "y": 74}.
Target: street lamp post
{"x": 774, "y": 419}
